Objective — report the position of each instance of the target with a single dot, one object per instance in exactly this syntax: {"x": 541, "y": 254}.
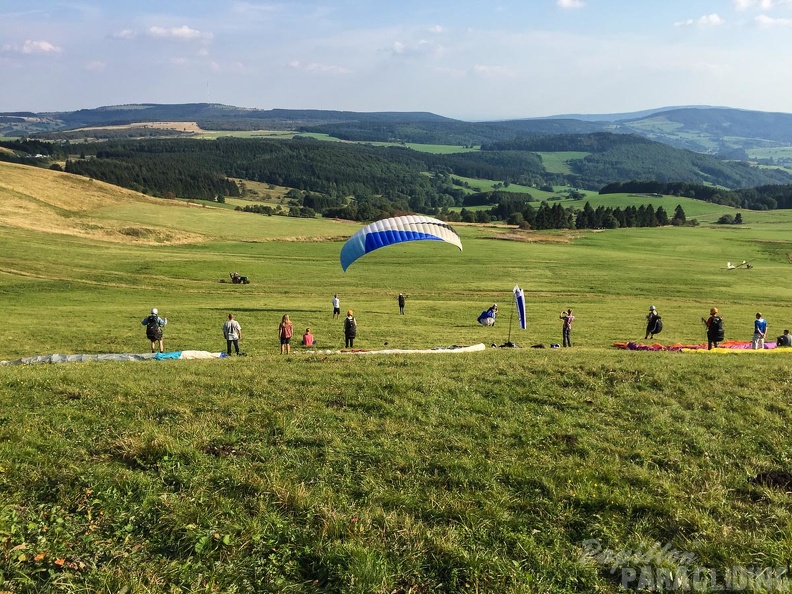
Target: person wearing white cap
{"x": 651, "y": 322}
{"x": 154, "y": 324}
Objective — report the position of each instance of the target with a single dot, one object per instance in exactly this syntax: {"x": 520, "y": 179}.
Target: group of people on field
{"x": 713, "y": 324}
{"x": 232, "y": 330}
{"x": 715, "y": 330}
{"x": 154, "y": 324}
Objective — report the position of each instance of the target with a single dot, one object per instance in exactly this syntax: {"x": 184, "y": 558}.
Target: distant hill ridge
{"x": 721, "y": 131}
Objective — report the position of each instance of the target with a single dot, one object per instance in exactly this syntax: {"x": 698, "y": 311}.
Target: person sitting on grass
{"x": 785, "y": 340}
{"x": 308, "y": 338}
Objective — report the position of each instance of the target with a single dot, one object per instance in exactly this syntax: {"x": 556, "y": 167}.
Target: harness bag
{"x": 350, "y": 330}
{"x": 716, "y": 329}
{"x": 153, "y": 329}
{"x": 658, "y": 327}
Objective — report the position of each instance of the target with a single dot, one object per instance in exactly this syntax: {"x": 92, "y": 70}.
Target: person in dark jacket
{"x": 402, "y": 298}
{"x": 154, "y": 324}
{"x": 651, "y": 322}
{"x": 350, "y": 330}
{"x": 714, "y": 326}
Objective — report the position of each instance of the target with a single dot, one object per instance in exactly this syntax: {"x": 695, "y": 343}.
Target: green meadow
{"x": 558, "y": 162}
{"x": 498, "y": 471}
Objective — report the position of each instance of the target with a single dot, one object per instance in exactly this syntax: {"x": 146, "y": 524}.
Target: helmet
{"x": 154, "y": 311}
{"x": 652, "y": 308}
{"x": 714, "y": 310}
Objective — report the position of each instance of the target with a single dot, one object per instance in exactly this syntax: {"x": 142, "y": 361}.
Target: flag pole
{"x": 511, "y": 315}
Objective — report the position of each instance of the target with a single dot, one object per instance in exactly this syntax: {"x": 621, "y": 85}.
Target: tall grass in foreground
{"x": 487, "y": 472}
{"x": 446, "y": 473}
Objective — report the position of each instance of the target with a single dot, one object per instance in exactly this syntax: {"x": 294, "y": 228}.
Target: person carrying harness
{"x": 154, "y": 324}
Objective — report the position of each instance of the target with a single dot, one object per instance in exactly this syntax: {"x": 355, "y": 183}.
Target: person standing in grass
{"x": 760, "y": 331}
{"x": 715, "y": 333}
{"x": 566, "y": 328}
{"x": 336, "y": 306}
{"x": 232, "y": 332}
{"x": 285, "y": 332}
{"x": 402, "y": 299}
{"x": 350, "y": 330}
{"x": 154, "y": 324}
{"x": 651, "y": 322}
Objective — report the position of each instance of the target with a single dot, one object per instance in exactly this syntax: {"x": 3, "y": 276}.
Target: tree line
{"x": 556, "y": 216}
{"x": 766, "y": 197}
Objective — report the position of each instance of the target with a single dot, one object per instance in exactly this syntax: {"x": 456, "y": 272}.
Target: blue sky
{"x": 467, "y": 59}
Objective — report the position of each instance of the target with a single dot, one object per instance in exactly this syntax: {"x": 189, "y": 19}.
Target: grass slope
{"x": 339, "y": 473}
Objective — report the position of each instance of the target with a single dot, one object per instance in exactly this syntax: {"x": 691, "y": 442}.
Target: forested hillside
{"x": 760, "y": 198}
{"x": 348, "y": 169}
{"x": 364, "y": 182}
{"x": 626, "y": 157}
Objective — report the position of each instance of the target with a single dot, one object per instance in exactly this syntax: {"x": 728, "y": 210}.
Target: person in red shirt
{"x": 308, "y": 338}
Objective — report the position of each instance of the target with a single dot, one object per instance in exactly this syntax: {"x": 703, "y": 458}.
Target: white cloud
{"x": 97, "y": 66}
{"x": 183, "y": 33}
{"x": 768, "y": 22}
{"x": 32, "y": 47}
{"x": 179, "y": 61}
{"x": 125, "y": 34}
{"x": 708, "y": 20}
{"x": 437, "y": 29}
{"x": 566, "y": 4}
{"x": 422, "y": 47}
{"x": 231, "y": 67}
{"x": 711, "y": 20}
{"x": 493, "y": 71}
{"x": 760, "y": 4}
{"x": 318, "y": 67}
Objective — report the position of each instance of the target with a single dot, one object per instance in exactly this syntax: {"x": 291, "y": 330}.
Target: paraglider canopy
{"x": 396, "y": 230}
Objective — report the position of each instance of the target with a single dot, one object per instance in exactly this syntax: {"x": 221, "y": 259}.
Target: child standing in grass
{"x": 350, "y": 330}
{"x": 714, "y": 324}
{"x": 285, "y": 331}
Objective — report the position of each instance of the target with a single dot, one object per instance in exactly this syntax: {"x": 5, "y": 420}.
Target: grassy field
{"x": 488, "y": 185}
{"x": 481, "y": 472}
{"x": 558, "y": 162}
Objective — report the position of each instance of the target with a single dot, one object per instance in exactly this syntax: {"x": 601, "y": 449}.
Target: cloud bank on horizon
{"x": 470, "y": 60}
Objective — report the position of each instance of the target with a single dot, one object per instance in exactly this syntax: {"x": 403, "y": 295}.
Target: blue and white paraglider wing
{"x": 396, "y": 230}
